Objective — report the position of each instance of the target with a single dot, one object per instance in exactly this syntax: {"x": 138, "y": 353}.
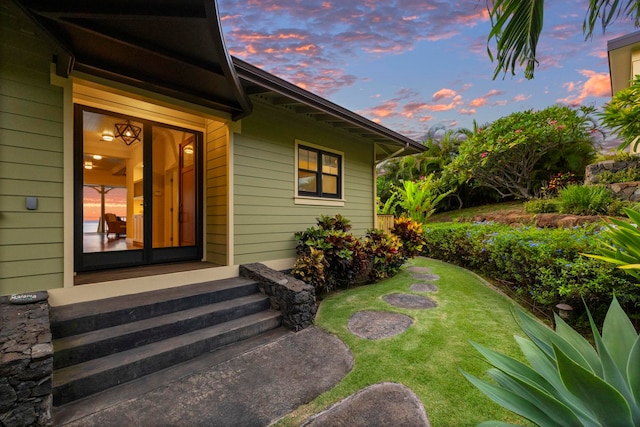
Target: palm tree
{"x": 517, "y": 24}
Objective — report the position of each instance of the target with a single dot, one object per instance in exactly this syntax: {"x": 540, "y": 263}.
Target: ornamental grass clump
{"x": 584, "y": 200}
{"x": 567, "y": 382}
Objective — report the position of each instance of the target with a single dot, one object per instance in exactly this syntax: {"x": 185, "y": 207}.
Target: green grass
{"x": 427, "y": 356}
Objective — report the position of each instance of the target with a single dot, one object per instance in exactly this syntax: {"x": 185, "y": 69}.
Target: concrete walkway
{"x": 253, "y": 389}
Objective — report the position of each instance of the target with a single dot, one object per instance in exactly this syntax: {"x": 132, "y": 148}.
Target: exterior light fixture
{"x": 107, "y": 136}
{"x": 127, "y": 132}
{"x": 564, "y": 310}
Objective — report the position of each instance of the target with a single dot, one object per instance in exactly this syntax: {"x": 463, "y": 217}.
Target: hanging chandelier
{"x": 127, "y": 132}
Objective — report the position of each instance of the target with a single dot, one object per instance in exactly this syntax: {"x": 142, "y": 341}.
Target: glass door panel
{"x": 108, "y": 195}
{"x": 174, "y": 188}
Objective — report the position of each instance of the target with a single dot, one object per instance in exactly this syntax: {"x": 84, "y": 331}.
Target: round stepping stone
{"x": 374, "y": 325}
{"x": 409, "y": 301}
{"x": 424, "y": 287}
{"x": 382, "y": 404}
{"x": 426, "y": 277}
{"x": 417, "y": 269}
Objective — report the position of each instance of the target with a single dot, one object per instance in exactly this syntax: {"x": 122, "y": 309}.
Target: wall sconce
{"x": 107, "y": 136}
{"x": 127, "y": 132}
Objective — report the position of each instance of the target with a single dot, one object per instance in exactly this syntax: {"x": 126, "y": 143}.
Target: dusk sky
{"x": 414, "y": 64}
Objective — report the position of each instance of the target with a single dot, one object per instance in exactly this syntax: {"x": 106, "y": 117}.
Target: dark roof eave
{"x": 270, "y": 82}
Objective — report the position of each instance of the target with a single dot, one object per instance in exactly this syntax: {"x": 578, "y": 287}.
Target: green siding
{"x": 217, "y": 194}
{"x": 265, "y": 215}
{"x": 31, "y": 159}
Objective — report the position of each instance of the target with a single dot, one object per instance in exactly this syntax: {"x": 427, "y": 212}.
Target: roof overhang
{"x": 620, "y": 60}
{"x": 279, "y": 92}
{"x": 175, "y": 48}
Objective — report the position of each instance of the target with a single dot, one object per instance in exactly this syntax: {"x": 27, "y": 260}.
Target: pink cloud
{"x": 467, "y": 111}
{"x": 443, "y": 93}
{"x": 597, "y": 85}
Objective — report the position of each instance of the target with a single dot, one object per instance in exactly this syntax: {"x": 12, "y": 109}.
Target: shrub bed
{"x": 329, "y": 257}
{"x": 538, "y": 267}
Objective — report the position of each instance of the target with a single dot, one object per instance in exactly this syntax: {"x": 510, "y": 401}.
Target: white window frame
{"x": 311, "y": 200}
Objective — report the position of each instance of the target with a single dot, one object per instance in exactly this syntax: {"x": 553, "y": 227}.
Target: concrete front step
{"x": 84, "y": 379}
{"x": 74, "y": 319}
{"x": 75, "y": 349}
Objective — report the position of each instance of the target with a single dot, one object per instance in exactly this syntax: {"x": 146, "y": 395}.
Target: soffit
{"x": 619, "y": 52}
{"x": 172, "y": 47}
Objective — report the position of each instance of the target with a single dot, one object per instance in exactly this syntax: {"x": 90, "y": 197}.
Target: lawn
{"x": 427, "y": 356}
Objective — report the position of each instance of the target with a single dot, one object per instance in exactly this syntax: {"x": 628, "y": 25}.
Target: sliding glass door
{"x": 138, "y": 192}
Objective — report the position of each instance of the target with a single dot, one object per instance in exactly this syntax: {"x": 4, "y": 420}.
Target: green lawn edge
{"x": 427, "y": 356}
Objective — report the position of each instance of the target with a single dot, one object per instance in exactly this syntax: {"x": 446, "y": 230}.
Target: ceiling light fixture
{"x": 88, "y": 164}
{"x": 127, "y": 132}
{"x": 107, "y": 136}
{"x": 97, "y": 157}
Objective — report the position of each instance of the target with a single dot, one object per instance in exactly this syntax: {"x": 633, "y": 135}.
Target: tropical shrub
{"x": 515, "y": 154}
{"x": 410, "y": 233}
{"x": 629, "y": 174}
{"x": 384, "y": 251}
{"x": 567, "y": 382}
{"x": 622, "y": 115}
{"x": 541, "y": 206}
{"x": 418, "y": 199}
{"x": 329, "y": 257}
{"x": 584, "y": 200}
{"x": 538, "y": 267}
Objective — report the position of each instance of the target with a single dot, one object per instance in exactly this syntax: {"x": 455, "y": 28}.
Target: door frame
{"x": 147, "y": 255}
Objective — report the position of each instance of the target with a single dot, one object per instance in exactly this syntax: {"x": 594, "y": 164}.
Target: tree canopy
{"x": 517, "y": 25}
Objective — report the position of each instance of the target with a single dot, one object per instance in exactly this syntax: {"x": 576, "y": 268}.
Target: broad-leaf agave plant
{"x": 567, "y": 381}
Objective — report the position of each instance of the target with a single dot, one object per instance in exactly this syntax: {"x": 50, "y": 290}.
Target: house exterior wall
{"x": 216, "y": 187}
{"x": 265, "y": 214}
{"x": 31, "y": 159}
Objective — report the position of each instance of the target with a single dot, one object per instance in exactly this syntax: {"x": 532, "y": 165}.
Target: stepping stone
{"x": 410, "y": 301}
{"x": 417, "y": 269}
{"x": 374, "y": 325}
{"x": 426, "y": 277}
{"x": 379, "y": 405}
{"x": 424, "y": 287}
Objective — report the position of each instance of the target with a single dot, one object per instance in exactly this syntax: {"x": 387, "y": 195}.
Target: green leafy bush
{"x": 629, "y": 174}
{"x": 567, "y": 382}
{"x": 410, "y": 233}
{"x": 384, "y": 253}
{"x": 538, "y": 267}
{"x": 584, "y": 200}
{"x": 329, "y": 257}
{"x": 541, "y": 206}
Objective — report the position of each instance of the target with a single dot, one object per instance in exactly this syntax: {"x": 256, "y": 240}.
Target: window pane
{"x": 307, "y": 159}
{"x": 330, "y": 184}
{"x": 307, "y": 182}
{"x": 330, "y": 164}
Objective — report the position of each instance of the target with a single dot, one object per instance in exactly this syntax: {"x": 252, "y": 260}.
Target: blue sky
{"x": 415, "y": 64}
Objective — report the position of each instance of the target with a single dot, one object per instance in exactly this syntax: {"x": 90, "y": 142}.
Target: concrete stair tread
{"x": 72, "y": 311}
{"x": 80, "y": 408}
{"x": 105, "y": 334}
{"x": 87, "y": 369}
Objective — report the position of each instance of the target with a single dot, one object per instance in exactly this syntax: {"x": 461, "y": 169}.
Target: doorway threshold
{"x": 85, "y": 278}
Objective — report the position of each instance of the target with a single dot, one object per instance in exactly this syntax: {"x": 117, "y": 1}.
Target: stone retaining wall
{"x": 26, "y": 364}
{"x": 295, "y": 299}
{"x": 592, "y": 171}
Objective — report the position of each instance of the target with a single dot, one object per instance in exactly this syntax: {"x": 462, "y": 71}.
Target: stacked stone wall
{"x": 26, "y": 364}
{"x": 295, "y": 299}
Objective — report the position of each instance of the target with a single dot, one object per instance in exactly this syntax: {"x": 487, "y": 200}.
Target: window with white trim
{"x": 319, "y": 173}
